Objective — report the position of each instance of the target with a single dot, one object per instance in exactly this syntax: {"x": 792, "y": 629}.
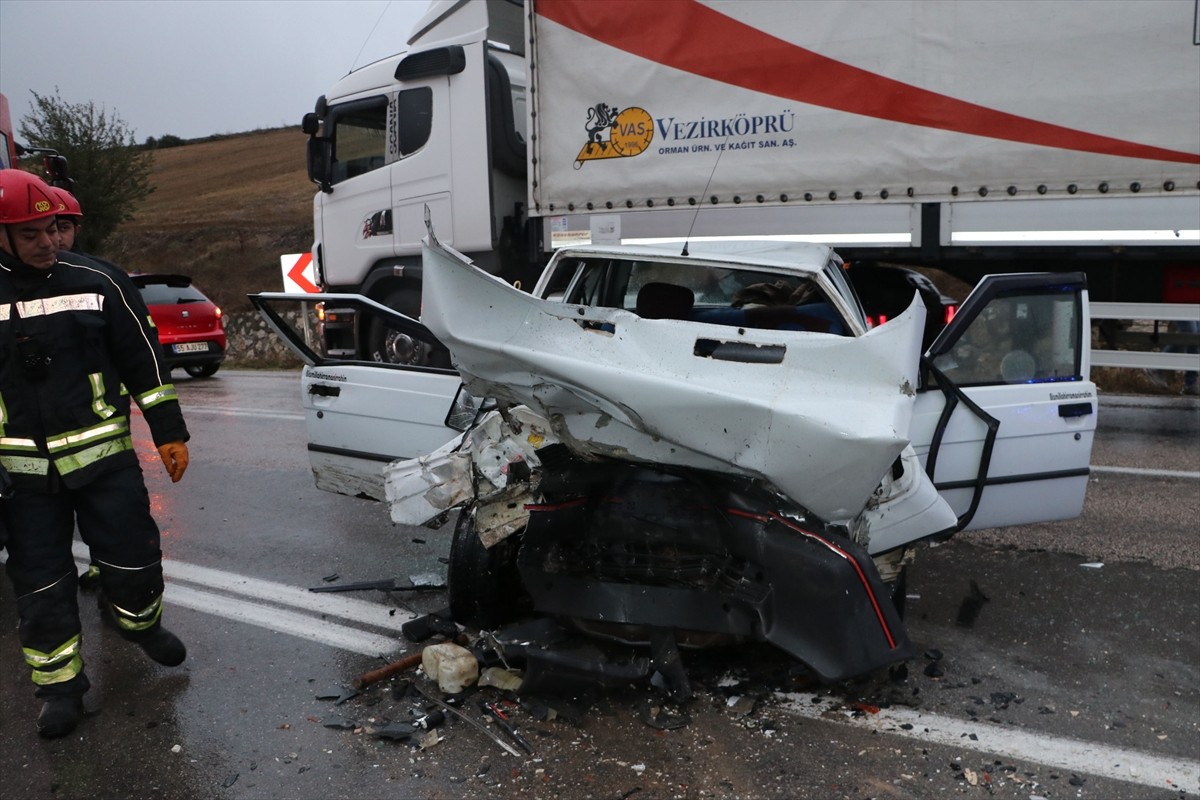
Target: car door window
{"x": 1023, "y": 336}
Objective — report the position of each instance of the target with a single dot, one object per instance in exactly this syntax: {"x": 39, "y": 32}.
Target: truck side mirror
{"x": 310, "y": 123}
{"x": 320, "y": 163}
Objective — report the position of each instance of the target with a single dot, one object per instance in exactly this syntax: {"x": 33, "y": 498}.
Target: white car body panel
{"x": 362, "y": 418}
{"x": 640, "y": 393}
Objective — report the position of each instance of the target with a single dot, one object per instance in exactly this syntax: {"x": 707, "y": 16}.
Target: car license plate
{"x": 191, "y": 347}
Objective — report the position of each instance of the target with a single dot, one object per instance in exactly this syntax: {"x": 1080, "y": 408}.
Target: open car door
{"x": 1006, "y": 413}
{"x": 362, "y": 414}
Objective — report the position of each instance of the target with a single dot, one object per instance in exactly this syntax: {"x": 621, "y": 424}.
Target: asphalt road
{"x": 1057, "y": 660}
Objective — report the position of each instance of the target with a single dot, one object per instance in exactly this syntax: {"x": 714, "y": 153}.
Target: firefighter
{"x": 71, "y": 334}
{"x": 70, "y": 218}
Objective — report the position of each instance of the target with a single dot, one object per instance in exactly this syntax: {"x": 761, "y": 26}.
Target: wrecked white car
{"x": 686, "y": 445}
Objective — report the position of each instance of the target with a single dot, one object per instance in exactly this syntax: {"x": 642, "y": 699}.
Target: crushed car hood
{"x": 819, "y": 417}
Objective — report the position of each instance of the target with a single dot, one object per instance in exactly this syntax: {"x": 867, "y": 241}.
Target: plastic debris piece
{"x": 345, "y": 695}
{"x": 453, "y": 666}
{"x": 427, "y": 580}
{"x": 332, "y": 693}
{"x": 176, "y": 748}
{"x": 395, "y": 731}
{"x": 230, "y": 780}
{"x": 503, "y": 679}
{"x": 933, "y": 654}
{"x": 660, "y": 719}
{"x": 331, "y": 578}
{"x": 1093, "y": 564}
{"x": 436, "y": 624}
{"x": 339, "y": 723}
{"x": 934, "y": 669}
{"x": 428, "y": 739}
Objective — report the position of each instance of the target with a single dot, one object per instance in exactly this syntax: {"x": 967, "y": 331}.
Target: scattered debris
{"x": 230, "y": 780}
{"x": 505, "y": 724}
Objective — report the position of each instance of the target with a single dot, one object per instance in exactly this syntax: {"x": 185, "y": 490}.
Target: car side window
{"x": 1017, "y": 338}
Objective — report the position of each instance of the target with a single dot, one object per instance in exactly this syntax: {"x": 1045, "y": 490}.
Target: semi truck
{"x": 973, "y": 138}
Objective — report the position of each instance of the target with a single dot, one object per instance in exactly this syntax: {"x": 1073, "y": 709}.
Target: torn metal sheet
{"x": 822, "y": 425}
{"x": 481, "y": 465}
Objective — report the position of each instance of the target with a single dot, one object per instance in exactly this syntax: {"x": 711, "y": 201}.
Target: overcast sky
{"x": 193, "y": 68}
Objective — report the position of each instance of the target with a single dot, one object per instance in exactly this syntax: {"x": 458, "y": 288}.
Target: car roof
{"x": 148, "y": 278}
{"x": 797, "y": 256}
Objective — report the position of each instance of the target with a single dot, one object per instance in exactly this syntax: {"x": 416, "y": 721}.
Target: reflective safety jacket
{"x": 70, "y": 336}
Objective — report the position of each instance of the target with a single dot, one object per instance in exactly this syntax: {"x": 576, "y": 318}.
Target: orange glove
{"x": 175, "y": 459}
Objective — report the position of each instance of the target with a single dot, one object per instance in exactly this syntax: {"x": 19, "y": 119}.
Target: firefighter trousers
{"x": 113, "y": 515}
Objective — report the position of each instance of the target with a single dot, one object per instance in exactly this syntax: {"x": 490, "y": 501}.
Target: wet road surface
{"x": 1057, "y": 660}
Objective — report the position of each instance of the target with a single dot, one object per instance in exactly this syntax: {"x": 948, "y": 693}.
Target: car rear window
{"x": 160, "y": 294}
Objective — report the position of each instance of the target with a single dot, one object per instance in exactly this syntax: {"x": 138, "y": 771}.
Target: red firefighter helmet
{"x": 68, "y": 206}
{"x": 25, "y": 197}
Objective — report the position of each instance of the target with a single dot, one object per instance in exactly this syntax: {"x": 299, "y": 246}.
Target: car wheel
{"x": 389, "y": 346}
{"x": 483, "y": 583}
{"x": 201, "y": 370}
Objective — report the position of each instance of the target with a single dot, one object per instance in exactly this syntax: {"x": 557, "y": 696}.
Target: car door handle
{"x": 1074, "y": 409}
{"x": 324, "y": 390}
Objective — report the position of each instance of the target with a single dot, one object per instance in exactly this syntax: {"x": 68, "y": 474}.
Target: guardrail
{"x": 1157, "y": 313}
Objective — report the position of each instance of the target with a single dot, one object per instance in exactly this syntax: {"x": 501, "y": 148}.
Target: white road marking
{"x": 1073, "y": 755}
{"x": 1155, "y": 473}
{"x": 229, "y": 595}
{"x": 281, "y": 621}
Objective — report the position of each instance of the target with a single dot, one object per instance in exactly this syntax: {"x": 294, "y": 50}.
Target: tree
{"x": 110, "y": 173}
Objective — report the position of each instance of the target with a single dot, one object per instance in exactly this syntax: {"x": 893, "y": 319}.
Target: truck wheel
{"x": 389, "y": 346}
{"x": 483, "y": 584}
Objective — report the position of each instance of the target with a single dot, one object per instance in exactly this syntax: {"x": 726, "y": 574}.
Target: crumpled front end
{"x": 819, "y": 417}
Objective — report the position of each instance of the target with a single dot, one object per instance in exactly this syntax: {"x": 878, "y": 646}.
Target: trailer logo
{"x": 629, "y": 132}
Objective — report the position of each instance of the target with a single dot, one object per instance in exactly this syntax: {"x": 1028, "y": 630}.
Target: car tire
{"x": 483, "y": 584}
{"x": 201, "y": 370}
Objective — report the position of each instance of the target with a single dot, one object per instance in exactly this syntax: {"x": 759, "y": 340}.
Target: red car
{"x": 190, "y": 326}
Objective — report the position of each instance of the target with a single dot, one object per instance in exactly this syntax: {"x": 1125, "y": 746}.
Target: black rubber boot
{"x": 59, "y": 716}
{"x": 164, "y": 647}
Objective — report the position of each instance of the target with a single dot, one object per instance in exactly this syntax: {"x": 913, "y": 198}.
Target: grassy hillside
{"x": 223, "y": 212}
